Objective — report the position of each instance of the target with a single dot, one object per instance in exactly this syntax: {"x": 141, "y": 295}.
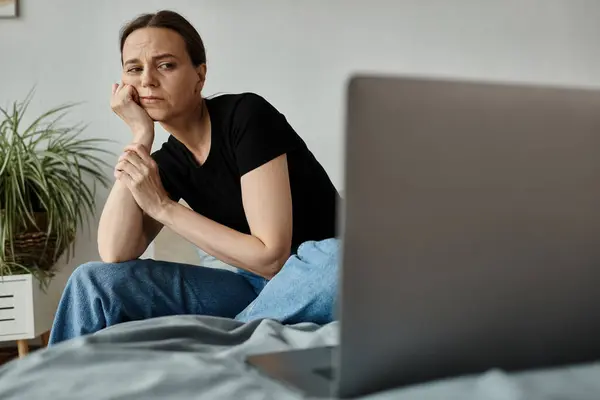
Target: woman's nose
{"x": 148, "y": 79}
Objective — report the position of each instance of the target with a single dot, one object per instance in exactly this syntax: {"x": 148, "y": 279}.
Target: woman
{"x": 255, "y": 190}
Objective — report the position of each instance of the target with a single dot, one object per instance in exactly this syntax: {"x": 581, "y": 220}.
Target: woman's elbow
{"x": 112, "y": 258}
{"x": 110, "y": 255}
{"x": 111, "y": 251}
{"x": 275, "y": 263}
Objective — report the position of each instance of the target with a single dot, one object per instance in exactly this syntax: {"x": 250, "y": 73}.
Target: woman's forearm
{"x": 121, "y": 228}
{"x": 121, "y": 231}
{"x": 228, "y": 245}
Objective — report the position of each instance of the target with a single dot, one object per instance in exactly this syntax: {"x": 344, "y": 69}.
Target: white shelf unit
{"x": 25, "y": 312}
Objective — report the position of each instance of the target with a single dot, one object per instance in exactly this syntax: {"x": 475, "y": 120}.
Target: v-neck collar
{"x": 213, "y": 141}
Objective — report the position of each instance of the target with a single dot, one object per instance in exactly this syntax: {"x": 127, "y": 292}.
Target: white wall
{"x": 299, "y": 53}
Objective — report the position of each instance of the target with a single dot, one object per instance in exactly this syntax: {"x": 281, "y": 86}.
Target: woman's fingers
{"x": 117, "y": 87}
{"x": 125, "y": 103}
{"x": 137, "y": 155}
{"x": 130, "y": 169}
{"x": 124, "y": 177}
{"x": 134, "y": 94}
{"x": 124, "y": 91}
{"x": 133, "y": 158}
{"x": 119, "y": 173}
{"x": 141, "y": 152}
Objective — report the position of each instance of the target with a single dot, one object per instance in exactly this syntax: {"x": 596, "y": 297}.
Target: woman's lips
{"x": 150, "y": 99}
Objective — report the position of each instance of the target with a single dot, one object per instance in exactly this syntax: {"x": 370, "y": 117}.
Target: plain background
{"x": 298, "y": 54}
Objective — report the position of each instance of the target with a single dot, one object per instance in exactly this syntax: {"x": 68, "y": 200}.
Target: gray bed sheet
{"x": 193, "y": 357}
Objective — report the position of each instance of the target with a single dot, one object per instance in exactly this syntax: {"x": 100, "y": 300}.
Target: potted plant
{"x": 48, "y": 178}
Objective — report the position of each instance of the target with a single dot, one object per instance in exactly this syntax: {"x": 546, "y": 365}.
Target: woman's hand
{"x": 139, "y": 172}
{"x": 125, "y": 103}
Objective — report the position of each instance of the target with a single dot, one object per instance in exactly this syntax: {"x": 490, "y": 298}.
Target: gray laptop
{"x": 471, "y": 235}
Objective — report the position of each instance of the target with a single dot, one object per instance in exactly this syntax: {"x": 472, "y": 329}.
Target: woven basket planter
{"x": 34, "y": 248}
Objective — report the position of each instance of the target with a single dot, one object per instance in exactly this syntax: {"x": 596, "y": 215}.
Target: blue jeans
{"x": 98, "y": 295}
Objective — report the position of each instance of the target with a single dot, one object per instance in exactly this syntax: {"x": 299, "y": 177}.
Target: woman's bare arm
{"x": 125, "y": 231}
{"x": 267, "y": 203}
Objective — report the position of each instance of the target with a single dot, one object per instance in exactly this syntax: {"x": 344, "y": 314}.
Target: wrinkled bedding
{"x": 193, "y": 357}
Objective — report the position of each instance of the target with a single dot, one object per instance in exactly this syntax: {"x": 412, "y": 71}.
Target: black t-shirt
{"x": 247, "y": 132}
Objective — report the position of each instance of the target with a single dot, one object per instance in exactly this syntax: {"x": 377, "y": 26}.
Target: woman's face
{"x": 157, "y": 65}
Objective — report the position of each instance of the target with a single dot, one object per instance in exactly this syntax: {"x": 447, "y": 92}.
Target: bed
{"x": 194, "y": 357}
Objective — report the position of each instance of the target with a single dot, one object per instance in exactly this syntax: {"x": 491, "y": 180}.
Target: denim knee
{"x": 101, "y": 274}
{"x": 305, "y": 290}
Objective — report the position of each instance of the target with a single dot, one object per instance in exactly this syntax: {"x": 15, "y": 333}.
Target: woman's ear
{"x": 201, "y": 71}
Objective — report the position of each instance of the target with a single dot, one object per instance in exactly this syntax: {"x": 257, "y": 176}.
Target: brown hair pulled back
{"x": 173, "y": 21}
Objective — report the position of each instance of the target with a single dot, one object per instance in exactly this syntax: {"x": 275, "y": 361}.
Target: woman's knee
{"x": 315, "y": 267}
{"x": 322, "y": 251}
{"x": 96, "y": 272}
{"x": 320, "y": 257}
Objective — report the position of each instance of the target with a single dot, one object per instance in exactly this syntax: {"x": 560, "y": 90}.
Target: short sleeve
{"x": 166, "y": 170}
{"x": 260, "y": 133}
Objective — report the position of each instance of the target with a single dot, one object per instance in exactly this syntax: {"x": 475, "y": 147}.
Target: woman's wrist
{"x": 163, "y": 213}
{"x": 144, "y": 137}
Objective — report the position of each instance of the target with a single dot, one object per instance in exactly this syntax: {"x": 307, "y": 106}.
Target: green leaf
{"x": 51, "y": 166}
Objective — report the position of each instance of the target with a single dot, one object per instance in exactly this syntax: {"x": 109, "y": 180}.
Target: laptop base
{"x": 309, "y": 370}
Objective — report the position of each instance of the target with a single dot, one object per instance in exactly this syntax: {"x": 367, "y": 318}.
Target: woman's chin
{"x": 156, "y": 115}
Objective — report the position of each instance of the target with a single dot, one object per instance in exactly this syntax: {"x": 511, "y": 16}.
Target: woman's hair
{"x": 173, "y": 21}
